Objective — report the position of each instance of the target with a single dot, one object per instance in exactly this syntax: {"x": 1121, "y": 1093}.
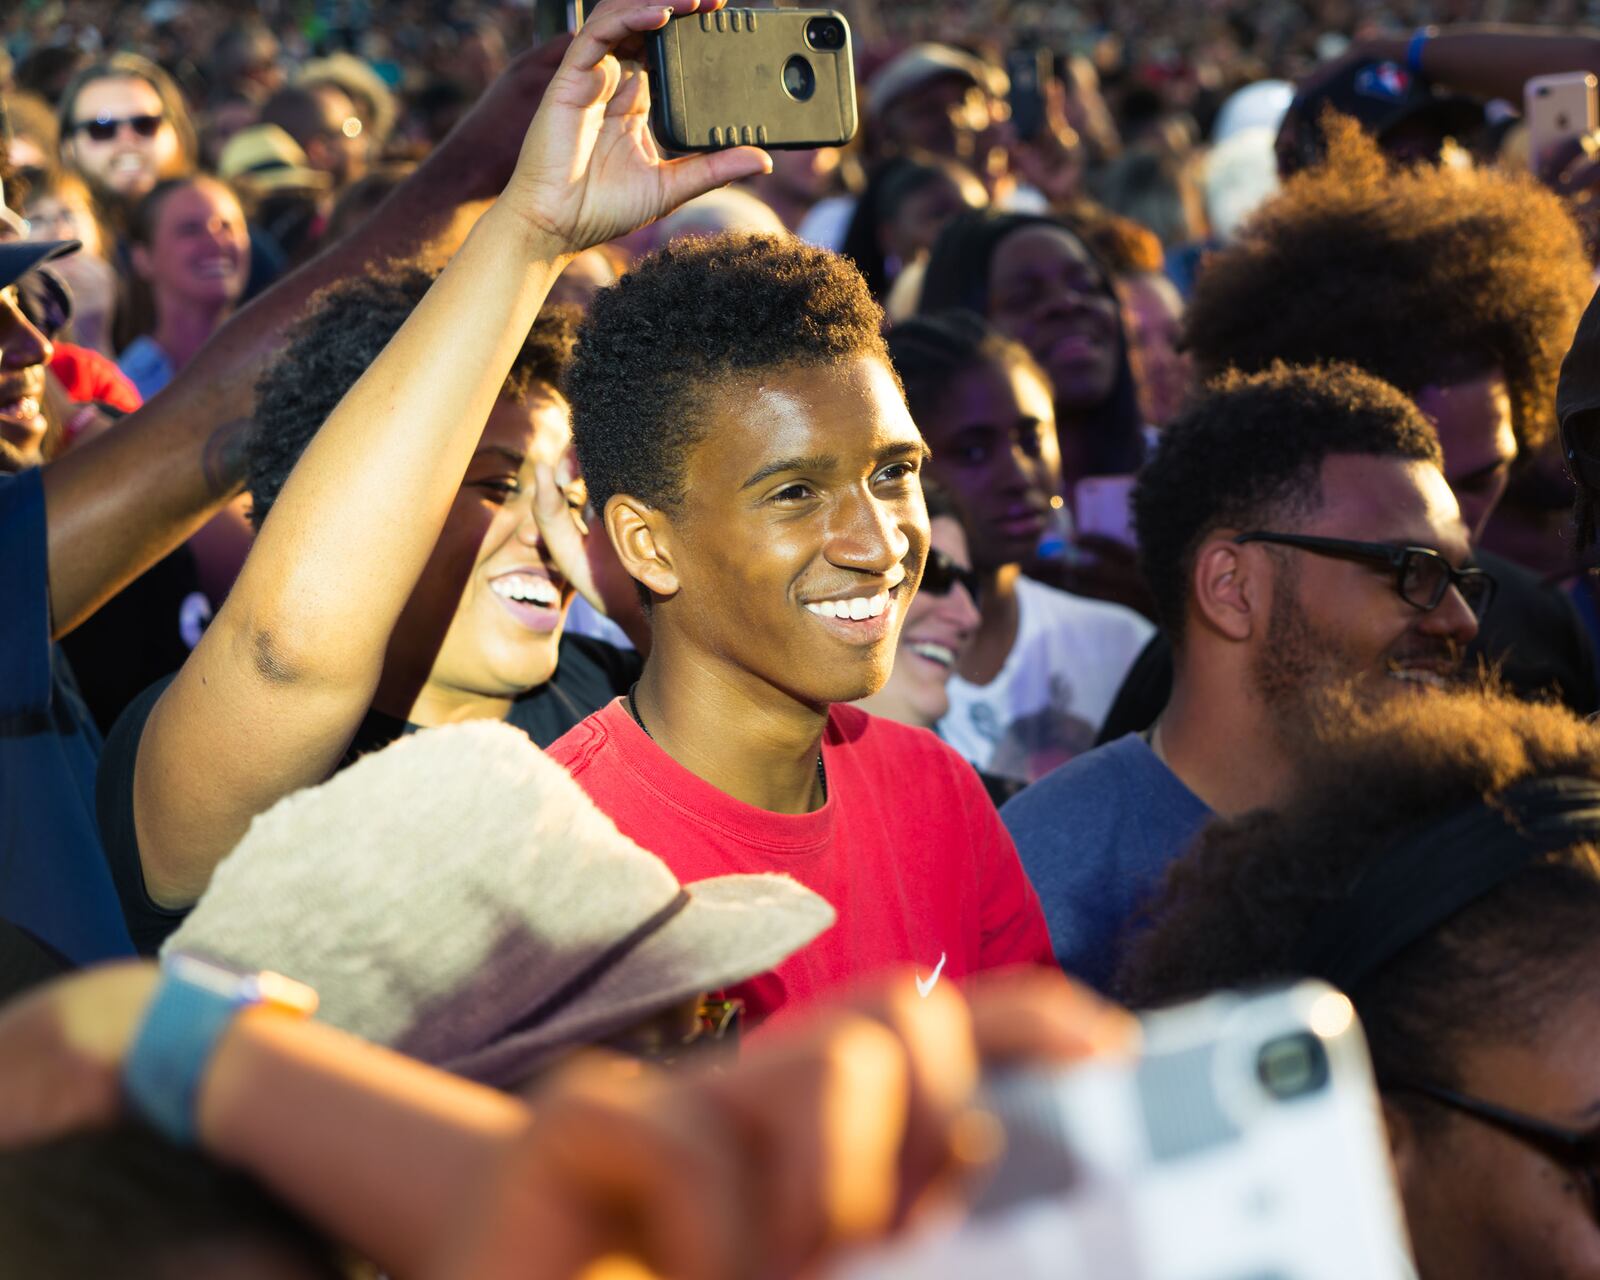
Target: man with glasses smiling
{"x": 1297, "y": 531}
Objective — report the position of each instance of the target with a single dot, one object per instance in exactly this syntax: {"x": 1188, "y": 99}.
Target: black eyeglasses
{"x": 941, "y": 575}
{"x": 104, "y": 128}
{"x": 1575, "y": 1150}
{"x": 1421, "y": 574}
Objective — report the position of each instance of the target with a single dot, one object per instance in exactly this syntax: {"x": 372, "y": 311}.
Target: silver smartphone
{"x": 1245, "y": 1141}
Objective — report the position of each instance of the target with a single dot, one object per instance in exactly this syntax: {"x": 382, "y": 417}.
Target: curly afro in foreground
{"x": 1248, "y": 454}
{"x": 1421, "y": 276}
{"x": 1234, "y": 910}
{"x": 660, "y": 344}
{"x": 343, "y": 331}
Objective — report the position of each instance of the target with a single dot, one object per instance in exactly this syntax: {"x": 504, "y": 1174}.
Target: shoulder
{"x": 580, "y": 747}
{"x": 898, "y": 748}
{"x": 1082, "y": 784}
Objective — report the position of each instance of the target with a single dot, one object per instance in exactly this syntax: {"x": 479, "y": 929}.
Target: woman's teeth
{"x": 855, "y": 609}
{"x": 22, "y": 407}
{"x": 526, "y": 589}
{"x": 934, "y": 653}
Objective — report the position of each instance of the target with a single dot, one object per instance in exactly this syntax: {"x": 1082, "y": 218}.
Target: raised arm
{"x": 282, "y": 678}
{"x": 1487, "y": 60}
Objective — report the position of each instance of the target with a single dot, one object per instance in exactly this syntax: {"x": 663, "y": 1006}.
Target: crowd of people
{"x": 684, "y": 664}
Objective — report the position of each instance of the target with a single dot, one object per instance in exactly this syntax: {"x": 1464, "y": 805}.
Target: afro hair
{"x": 1421, "y": 276}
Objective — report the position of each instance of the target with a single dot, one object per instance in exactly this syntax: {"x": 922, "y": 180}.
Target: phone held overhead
{"x": 780, "y": 78}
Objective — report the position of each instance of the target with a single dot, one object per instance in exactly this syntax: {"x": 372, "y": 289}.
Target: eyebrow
{"x": 827, "y": 461}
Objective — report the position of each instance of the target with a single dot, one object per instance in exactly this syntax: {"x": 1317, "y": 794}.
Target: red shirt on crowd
{"x": 908, "y": 849}
{"x": 87, "y": 375}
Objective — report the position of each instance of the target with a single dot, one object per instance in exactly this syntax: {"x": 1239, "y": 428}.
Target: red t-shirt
{"x": 908, "y": 849}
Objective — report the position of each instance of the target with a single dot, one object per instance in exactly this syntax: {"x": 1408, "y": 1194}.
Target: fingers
{"x": 692, "y": 176}
{"x": 612, "y": 24}
{"x": 562, "y": 531}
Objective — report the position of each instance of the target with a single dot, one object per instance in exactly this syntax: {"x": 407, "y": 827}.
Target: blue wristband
{"x": 193, "y": 1008}
{"x": 1414, "y": 49}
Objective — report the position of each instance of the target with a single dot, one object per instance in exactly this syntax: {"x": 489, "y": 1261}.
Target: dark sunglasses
{"x": 1421, "y": 574}
{"x": 1577, "y": 1151}
{"x": 104, "y": 128}
{"x": 941, "y": 574}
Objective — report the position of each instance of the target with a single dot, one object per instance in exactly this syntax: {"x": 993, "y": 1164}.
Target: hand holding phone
{"x": 589, "y": 170}
{"x": 772, "y": 77}
{"x": 1559, "y": 109}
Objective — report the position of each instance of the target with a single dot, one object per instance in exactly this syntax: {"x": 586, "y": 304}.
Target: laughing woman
{"x": 191, "y": 253}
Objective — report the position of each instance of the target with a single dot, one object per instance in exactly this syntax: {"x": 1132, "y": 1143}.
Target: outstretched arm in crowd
{"x": 1485, "y": 60}
{"x": 272, "y": 695}
{"x": 120, "y": 502}
{"x": 825, "y": 1133}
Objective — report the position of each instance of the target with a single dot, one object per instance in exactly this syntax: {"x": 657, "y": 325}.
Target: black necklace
{"x": 633, "y": 710}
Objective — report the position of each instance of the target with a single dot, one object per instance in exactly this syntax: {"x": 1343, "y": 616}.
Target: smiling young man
{"x": 1281, "y": 561}
{"x": 739, "y": 424}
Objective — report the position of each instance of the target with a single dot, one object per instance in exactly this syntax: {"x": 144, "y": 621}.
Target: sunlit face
{"x": 937, "y": 632}
{"x": 1049, "y": 294}
{"x": 64, "y": 217}
{"x": 1483, "y": 1206}
{"x": 994, "y": 445}
{"x": 1334, "y": 619}
{"x": 128, "y": 163}
{"x": 485, "y": 618}
{"x": 802, "y": 533}
{"x": 1473, "y": 419}
{"x": 1154, "y": 309}
{"x": 943, "y": 116}
{"x": 199, "y": 250}
{"x": 24, "y": 353}
{"x": 805, "y": 173}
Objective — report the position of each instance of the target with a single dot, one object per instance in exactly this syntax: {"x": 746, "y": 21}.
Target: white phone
{"x": 1246, "y": 1140}
{"x": 1558, "y": 108}
{"x": 1103, "y": 505}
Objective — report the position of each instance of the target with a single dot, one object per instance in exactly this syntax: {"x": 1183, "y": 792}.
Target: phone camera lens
{"x": 799, "y": 80}
{"x": 1292, "y": 1066}
{"x": 825, "y": 34}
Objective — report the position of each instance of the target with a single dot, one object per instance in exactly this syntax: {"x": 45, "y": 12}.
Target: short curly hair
{"x": 661, "y": 341}
{"x": 1249, "y": 452}
{"x": 1234, "y": 910}
{"x": 1422, "y": 276}
{"x": 343, "y": 331}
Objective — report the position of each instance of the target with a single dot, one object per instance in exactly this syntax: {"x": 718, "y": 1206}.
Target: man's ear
{"x": 642, "y": 536}
{"x": 1402, "y": 1131}
{"x": 1228, "y": 596}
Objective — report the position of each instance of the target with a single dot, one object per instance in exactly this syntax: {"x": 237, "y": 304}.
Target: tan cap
{"x": 266, "y": 158}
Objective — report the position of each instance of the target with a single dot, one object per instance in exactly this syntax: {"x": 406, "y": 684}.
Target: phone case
{"x": 730, "y": 78}
{"x": 1559, "y": 107}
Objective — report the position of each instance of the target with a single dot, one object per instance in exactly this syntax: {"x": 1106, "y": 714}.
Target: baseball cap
{"x": 1381, "y": 96}
{"x": 458, "y": 897}
{"x": 18, "y": 257}
{"x": 922, "y": 63}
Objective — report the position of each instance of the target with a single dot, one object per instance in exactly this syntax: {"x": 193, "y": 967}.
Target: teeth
{"x": 22, "y": 407}
{"x": 856, "y": 608}
{"x": 527, "y": 589}
{"x": 935, "y": 653}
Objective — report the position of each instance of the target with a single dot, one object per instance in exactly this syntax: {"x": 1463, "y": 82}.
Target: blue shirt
{"x": 1095, "y": 836}
{"x": 54, "y": 881}
{"x": 146, "y": 365}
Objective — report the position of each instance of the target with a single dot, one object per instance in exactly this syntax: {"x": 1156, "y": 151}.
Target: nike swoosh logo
{"x": 924, "y": 987}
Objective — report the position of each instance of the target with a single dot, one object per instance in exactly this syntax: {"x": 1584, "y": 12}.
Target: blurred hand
{"x": 1052, "y": 162}
{"x": 564, "y": 531}
{"x": 828, "y": 1132}
{"x": 589, "y": 169}
{"x": 61, "y": 1051}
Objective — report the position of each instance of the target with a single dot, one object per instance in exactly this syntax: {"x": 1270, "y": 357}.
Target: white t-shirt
{"x": 1050, "y": 698}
